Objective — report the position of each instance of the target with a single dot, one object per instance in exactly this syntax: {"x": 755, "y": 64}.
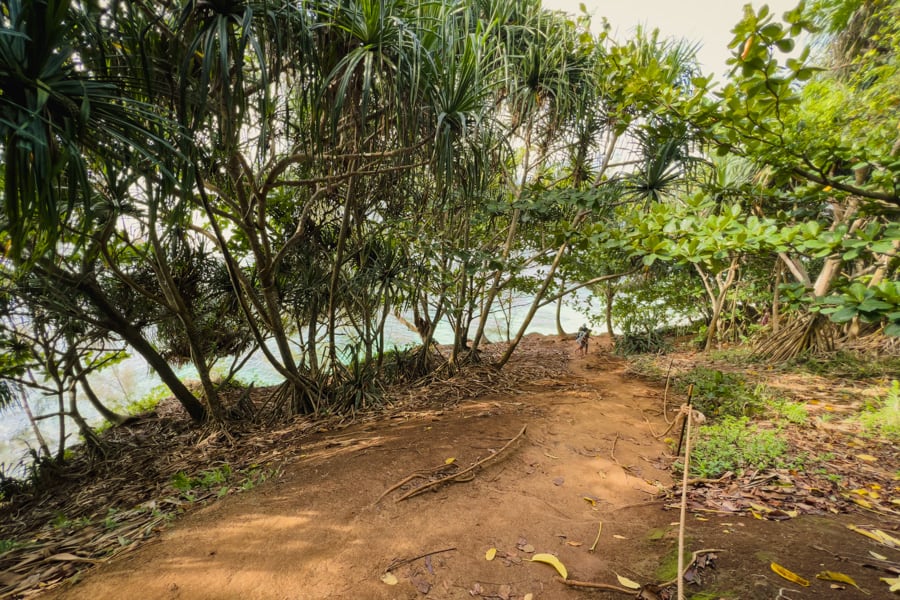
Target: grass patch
{"x": 734, "y": 444}
{"x": 882, "y": 415}
{"x": 668, "y": 565}
{"x": 850, "y": 365}
{"x": 789, "y": 412}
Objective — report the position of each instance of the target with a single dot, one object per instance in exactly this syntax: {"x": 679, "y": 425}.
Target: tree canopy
{"x": 195, "y": 181}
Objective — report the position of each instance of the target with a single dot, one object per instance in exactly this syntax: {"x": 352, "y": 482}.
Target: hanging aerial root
{"x": 811, "y": 332}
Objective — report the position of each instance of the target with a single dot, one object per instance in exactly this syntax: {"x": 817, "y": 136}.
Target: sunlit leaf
{"x": 553, "y": 562}
{"x": 449, "y": 461}
{"x": 877, "y": 535}
{"x": 838, "y": 577}
{"x": 490, "y": 554}
{"x": 867, "y": 457}
{"x": 894, "y": 582}
{"x": 789, "y": 575}
{"x": 389, "y": 578}
{"x": 878, "y": 556}
{"x": 625, "y": 582}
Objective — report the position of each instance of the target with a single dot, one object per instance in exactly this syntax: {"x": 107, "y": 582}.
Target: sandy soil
{"x": 323, "y": 529}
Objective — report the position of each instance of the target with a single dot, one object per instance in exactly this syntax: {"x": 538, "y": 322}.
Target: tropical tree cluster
{"x": 195, "y": 181}
{"x": 782, "y": 211}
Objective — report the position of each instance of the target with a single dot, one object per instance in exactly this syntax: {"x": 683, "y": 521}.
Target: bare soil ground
{"x": 587, "y": 462}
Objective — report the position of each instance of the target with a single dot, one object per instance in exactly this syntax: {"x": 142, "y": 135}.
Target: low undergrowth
{"x": 735, "y": 444}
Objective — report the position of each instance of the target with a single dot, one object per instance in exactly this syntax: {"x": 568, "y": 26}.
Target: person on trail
{"x": 582, "y": 338}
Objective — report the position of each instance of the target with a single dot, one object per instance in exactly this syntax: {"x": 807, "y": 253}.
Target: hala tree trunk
{"x": 115, "y": 322}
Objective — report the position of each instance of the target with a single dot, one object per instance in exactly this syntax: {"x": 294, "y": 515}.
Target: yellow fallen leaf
{"x": 789, "y": 575}
{"x": 619, "y": 537}
{"x": 490, "y": 554}
{"x": 590, "y": 500}
{"x": 862, "y": 502}
{"x": 867, "y": 457}
{"x": 887, "y": 539}
{"x": 450, "y": 461}
{"x": 877, "y": 535}
{"x": 389, "y": 578}
{"x": 838, "y": 577}
{"x": 878, "y": 556}
{"x": 756, "y": 515}
{"x": 625, "y": 582}
{"x": 528, "y": 596}
{"x": 874, "y": 486}
{"x": 551, "y": 560}
{"x": 893, "y": 582}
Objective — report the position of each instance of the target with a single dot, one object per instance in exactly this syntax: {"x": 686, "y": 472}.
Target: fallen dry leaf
{"x": 838, "y": 577}
{"x": 490, "y": 554}
{"x": 894, "y": 582}
{"x": 553, "y": 562}
{"x": 389, "y": 578}
{"x": 625, "y": 582}
{"x": 789, "y": 575}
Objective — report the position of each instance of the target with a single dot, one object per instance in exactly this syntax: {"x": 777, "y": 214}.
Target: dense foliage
{"x": 198, "y": 180}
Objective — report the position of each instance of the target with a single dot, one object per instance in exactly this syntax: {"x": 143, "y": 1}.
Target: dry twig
{"x": 405, "y": 561}
{"x": 597, "y": 586}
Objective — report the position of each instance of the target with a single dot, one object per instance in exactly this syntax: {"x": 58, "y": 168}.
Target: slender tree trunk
{"x": 610, "y": 296}
{"x": 26, "y": 406}
{"x": 81, "y": 377}
{"x": 510, "y": 237}
{"x": 718, "y": 298}
{"x": 560, "y": 252}
{"x": 114, "y": 321}
{"x": 776, "y": 298}
{"x": 559, "y": 302}
{"x": 336, "y": 271}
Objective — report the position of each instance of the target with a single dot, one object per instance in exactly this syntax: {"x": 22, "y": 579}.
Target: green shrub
{"x": 735, "y": 444}
{"x": 718, "y": 394}
{"x": 882, "y": 416}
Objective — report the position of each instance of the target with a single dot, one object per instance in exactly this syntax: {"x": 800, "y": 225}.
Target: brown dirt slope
{"x": 323, "y": 529}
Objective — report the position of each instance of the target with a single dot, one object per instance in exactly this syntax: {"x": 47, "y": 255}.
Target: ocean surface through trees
{"x": 130, "y": 381}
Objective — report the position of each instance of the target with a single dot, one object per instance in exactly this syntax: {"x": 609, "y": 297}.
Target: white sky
{"x": 706, "y": 21}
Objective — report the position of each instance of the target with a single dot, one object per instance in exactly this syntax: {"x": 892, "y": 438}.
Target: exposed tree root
{"x": 456, "y": 476}
{"x": 810, "y": 332}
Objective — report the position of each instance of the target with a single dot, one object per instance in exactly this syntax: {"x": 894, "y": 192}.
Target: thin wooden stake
{"x": 684, "y": 424}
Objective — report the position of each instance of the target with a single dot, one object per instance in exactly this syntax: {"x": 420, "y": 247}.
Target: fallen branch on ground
{"x": 597, "y": 586}
{"x": 400, "y": 562}
{"x": 456, "y": 476}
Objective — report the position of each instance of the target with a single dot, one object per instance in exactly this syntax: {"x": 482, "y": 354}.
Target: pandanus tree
{"x": 66, "y": 117}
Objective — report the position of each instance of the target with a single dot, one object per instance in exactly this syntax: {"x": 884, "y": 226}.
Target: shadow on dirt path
{"x": 587, "y": 457}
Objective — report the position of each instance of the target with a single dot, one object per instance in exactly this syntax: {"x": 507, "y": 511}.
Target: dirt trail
{"x": 319, "y": 531}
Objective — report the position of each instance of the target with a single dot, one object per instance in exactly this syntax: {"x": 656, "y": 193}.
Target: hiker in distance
{"x": 582, "y": 338}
